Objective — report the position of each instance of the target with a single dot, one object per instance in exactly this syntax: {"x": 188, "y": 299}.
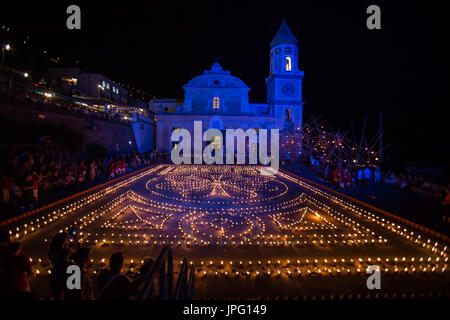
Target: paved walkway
{"x": 406, "y": 204}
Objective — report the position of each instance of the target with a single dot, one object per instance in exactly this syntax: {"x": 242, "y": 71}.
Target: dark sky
{"x": 350, "y": 71}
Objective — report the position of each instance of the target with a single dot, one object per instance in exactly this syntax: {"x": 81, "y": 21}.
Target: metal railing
{"x": 158, "y": 283}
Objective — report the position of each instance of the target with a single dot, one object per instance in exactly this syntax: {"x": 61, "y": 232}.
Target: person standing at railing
{"x": 28, "y": 192}
{"x": 92, "y": 170}
{"x": 111, "y": 168}
{"x": 377, "y": 174}
{"x": 123, "y": 167}
{"x": 367, "y": 176}
{"x": 360, "y": 176}
{"x": 35, "y": 188}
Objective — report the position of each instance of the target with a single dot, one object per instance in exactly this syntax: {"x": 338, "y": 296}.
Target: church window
{"x": 288, "y": 64}
{"x": 216, "y": 103}
{"x": 288, "y": 115}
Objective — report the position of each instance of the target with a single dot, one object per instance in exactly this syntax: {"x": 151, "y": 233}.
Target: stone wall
{"x": 115, "y": 136}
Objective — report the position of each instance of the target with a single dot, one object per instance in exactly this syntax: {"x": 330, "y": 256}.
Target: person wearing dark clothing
{"x": 28, "y": 191}
{"x": 4, "y": 245}
{"x": 82, "y": 258}
{"x": 57, "y": 247}
{"x": 17, "y": 268}
{"x": 112, "y": 284}
{"x": 58, "y": 275}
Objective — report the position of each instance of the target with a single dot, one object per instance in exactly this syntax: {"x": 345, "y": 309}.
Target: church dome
{"x": 216, "y": 78}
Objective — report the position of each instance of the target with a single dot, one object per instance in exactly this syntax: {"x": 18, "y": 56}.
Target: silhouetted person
{"x": 14, "y": 269}
{"x": 58, "y": 276}
{"x": 17, "y": 267}
{"x": 28, "y": 192}
{"x": 4, "y": 245}
{"x": 82, "y": 258}
{"x": 57, "y": 247}
{"x": 367, "y": 175}
{"x": 112, "y": 284}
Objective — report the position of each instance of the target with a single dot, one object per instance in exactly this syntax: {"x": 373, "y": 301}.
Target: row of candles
{"x": 305, "y": 267}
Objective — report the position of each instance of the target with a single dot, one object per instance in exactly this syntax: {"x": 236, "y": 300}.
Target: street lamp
{"x": 5, "y": 47}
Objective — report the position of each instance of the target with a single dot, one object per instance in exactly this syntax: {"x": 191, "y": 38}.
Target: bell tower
{"x": 284, "y": 83}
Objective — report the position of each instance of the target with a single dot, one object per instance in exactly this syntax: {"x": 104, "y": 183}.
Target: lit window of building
{"x": 288, "y": 64}
{"x": 216, "y": 103}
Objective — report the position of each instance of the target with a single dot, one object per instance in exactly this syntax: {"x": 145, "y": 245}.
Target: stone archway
{"x": 171, "y": 130}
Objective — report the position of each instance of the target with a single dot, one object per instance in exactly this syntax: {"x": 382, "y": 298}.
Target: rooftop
{"x": 284, "y": 36}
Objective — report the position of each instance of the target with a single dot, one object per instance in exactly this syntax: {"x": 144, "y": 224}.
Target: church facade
{"x": 220, "y": 100}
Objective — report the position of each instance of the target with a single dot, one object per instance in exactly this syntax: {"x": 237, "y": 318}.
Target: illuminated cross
{"x": 218, "y": 190}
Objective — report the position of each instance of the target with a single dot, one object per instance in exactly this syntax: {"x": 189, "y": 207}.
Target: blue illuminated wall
{"x": 284, "y": 84}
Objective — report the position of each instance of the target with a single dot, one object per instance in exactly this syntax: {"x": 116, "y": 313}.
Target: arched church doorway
{"x": 288, "y": 115}
{"x": 172, "y": 145}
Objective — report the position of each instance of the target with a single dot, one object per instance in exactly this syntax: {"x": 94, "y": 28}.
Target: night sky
{"x": 350, "y": 71}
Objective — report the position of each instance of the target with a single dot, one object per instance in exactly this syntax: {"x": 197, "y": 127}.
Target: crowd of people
{"x": 350, "y": 177}
{"x": 65, "y": 250}
{"x": 347, "y": 178}
{"x": 420, "y": 185}
{"x": 24, "y": 175}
